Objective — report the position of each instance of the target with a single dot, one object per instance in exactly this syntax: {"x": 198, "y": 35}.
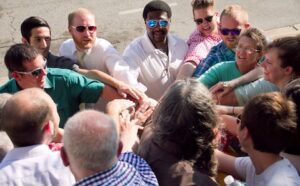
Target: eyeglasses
{"x": 247, "y": 50}
{"x": 81, "y": 29}
{"x": 238, "y": 119}
{"x": 234, "y": 32}
{"x": 153, "y": 23}
{"x": 200, "y": 20}
{"x": 35, "y": 72}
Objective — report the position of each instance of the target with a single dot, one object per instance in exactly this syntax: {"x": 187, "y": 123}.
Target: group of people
{"x": 170, "y": 106}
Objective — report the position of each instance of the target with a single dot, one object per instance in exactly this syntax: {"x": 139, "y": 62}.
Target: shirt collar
{"x": 101, "y": 175}
{"x": 148, "y": 46}
{"x": 26, "y": 152}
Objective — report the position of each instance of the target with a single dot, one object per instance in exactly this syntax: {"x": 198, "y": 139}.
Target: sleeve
{"x": 66, "y": 63}
{"x": 192, "y": 54}
{"x": 131, "y": 75}
{"x": 87, "y": 90}
{"x": 244, "y": 93}
{"x": 210, "y": 77}
{"x": 242, "y": 165}
{"x": 141, "y": 166}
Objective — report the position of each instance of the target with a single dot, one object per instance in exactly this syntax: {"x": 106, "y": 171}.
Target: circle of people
{"x": 225, "y": 102}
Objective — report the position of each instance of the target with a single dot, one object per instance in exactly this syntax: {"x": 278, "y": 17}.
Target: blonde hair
{"x": 237, "y": 12}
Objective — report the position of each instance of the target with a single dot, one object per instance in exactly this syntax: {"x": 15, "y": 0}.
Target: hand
{"x": 143, "y": 112}
{"x": 124, "y": 90}
{"x": 116, "y": 106}
{"x": 222, "y": 88}
{"x": 128, "y": 131}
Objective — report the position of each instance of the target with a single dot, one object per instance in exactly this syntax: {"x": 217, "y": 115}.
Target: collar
{"x": 74, "y": 49}
{"x": 32, "y": 151}
{"x": 101, "y": 175}
{"x": 149, "y": 47}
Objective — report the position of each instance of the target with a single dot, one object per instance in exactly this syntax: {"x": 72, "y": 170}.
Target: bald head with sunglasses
{"x": 82, "y": 27}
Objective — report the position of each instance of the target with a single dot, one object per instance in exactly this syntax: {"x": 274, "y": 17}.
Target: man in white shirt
{"x": 85, "y": 47}
{"x": 267, "y": 125}
{"x": 31, "y": 121}
{"x": 154, "y": 58}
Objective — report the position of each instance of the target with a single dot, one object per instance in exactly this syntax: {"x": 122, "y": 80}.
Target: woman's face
{"x": 246, "y": 54}
{"x": 273, "y": 71}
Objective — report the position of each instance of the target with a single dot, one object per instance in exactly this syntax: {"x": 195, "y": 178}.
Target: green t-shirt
{"x": 224, "y": 71}
{"x": 67, "y": 89}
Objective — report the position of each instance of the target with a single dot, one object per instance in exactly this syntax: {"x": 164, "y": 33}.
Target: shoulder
{"x": 67, "y": 48}
{"x": 9, "y": 87}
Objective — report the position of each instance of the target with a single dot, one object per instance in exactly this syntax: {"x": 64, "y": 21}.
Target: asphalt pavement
{"x": 121, "y": 21}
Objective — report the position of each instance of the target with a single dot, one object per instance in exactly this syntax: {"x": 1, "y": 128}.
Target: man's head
{"x": 267, "y": 123}
{"x": 205, "y": 16}
{"x": 26, "y": 65}
{"x": 37, "y": 33}
{"x": 157, "y": 16}
{"x": 249, "y": 49}
{"x": 30, "y": 118}
{"x": 233, "y": 20}
{"x": 91, "y": 143}
{"x": 82, "y": 27}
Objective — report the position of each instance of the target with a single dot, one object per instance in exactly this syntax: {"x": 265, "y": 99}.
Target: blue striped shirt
{"x": 217, "y": 54}
{"x": 129, "y": 170}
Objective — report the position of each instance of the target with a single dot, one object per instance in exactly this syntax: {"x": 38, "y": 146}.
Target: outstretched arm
{"x": 224, "y": 88}
{"x": 123, "y": 89}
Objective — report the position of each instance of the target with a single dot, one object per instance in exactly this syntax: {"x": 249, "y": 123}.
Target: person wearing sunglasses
{"x": 154, "y": 58}
{"x": 266, "y": 128}
{"x": 233, "y": 20}
{"x": 96, "y": 57}
{"x": 204, "y": 37}
{"x": 37, "y": 33}
{"x": 68, "y": 89}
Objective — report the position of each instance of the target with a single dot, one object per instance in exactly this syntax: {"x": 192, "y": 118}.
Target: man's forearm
{"x": 100, "y": 76}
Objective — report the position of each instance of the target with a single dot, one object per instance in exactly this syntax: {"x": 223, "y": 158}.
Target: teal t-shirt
{"x": 224, "y": 71}
{"x": 67, "y": 89}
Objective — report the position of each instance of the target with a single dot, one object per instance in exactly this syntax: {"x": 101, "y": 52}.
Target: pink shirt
{"x": 199, "y": 46}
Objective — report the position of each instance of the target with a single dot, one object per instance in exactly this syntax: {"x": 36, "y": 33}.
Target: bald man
{"x": 90, "y": 51}
{"x": 31, "y": 121}
{"x": 92, "y": 149}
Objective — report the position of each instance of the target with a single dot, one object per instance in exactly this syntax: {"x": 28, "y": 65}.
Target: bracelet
{"x": 233, "y": 111}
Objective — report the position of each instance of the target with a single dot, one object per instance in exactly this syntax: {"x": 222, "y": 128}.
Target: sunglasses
{"x": 35, "y": 73}
{"x": 153, "y": 23}
{"x": 200, "y": 20}
{"x": 81, "y": 29}
{"x": 238, "y": 119}
{"x": 234, "y": 32}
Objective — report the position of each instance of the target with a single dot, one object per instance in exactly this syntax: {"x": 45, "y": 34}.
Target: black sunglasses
{"x": 35, "y": 72}
{"x": 234, "y": 32}
{"x": 83, "y": 28}
{"x": 200, "y": 20}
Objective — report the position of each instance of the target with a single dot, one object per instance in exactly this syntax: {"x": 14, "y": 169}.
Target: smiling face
{"x": 206, "y": 27}
{"x": 157, "y": 34}
{"x": 247, "y": 54}
{"x": 29, "y": 80}
{"x": 86, "y": 39}
{"x": 273, "y": 71}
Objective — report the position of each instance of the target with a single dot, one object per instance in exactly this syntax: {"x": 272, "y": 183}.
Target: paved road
{"x": 121, "y": 21}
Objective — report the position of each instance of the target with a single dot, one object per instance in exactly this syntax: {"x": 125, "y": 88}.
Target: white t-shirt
{"x": 34, "y": 165}
{"x": 151, "y": 68}
{"x": 280, "y": 173}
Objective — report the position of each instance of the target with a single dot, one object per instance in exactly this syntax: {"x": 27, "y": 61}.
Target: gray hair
{"x": 91, "y": 140}
{"x": 186, "y": 116}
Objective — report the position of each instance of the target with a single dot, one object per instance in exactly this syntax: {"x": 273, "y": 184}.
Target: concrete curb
{"x": 292, "y": 30}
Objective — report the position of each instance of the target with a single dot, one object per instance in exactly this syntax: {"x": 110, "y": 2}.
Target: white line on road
{"x": 139, "y": 10}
